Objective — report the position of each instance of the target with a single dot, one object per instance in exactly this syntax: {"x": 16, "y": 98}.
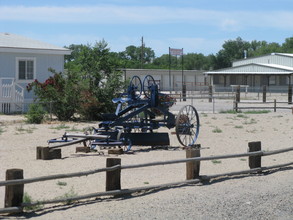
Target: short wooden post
{"x": 236, "y": 106}
{"x": 210, "y": 93}
{"x": 14, "y": 193}
{"x": 113, "y": 178}
{"x": 238, "y": 94}
{"x": 193, "y": 167}
{"x": 264, "y": 93}
{"x": 82, "y": 149}
{"x": 275, "y": 105}
{"x": 45, "y": 153}
{"x": 289, "y": 94}
{"x": 254, "y": 161}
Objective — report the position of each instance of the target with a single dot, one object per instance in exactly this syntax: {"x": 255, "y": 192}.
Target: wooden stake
{"x": 193, "y": 168}
{"x": 254, "y": 161}
{"x": 14, "y": 193}
{"x": 45, "y": 153}
{"x": 113, "y": 178}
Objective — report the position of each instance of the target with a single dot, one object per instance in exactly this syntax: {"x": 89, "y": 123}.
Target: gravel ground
{"x": 258, "y": 196}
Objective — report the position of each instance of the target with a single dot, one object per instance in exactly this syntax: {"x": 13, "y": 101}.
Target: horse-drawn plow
{"x": 140, "y": 112}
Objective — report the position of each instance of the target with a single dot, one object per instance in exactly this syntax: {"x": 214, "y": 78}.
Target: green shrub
{"x": 35, "y": 114}
{"x": 28, "y": 199}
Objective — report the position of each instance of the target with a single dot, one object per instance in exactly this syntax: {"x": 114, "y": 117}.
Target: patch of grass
{"x": 242, "y": 116}
{"x": 217, "y": 130}
{"x": 68, "y": 195}
{"x": 251, "y": 121}
{"x": 257, "y": 112}
{"x": 146, "y": 183}
{"x": 73, "y": 128}
{"x": 228, "y": 112}
{"x": 60, "y": 183}
{"x": 60, "y": 127}
{"x": 204, "y": 115}
{"x": 251, "y": 131}
{"x": 216, "y": 161}
{"x": 243, "y": 159}
{"x": 22, "y": 130}
{"x": 1, "y": 130}
{"x": 28, "y": 199}
{"x": 238, "y": 126}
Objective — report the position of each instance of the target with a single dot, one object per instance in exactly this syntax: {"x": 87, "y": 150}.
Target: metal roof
{"x": 254, "y": 69}
{"x": 19, "y": 44}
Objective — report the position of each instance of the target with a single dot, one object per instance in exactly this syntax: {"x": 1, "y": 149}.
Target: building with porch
{"x": 22, "y": 60}
{"x": 273, "y": 70}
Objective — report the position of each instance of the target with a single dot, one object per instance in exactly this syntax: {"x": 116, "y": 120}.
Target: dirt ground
{"x": 258, "y": 196}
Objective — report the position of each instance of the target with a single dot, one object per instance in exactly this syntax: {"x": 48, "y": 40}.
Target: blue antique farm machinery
{"x": 139, "y": 113}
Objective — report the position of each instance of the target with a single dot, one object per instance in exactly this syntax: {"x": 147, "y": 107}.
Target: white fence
{"x": 11, "y": 96}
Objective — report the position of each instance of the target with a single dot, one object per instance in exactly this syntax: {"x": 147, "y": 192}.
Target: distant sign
{"x": 176, "y": 52}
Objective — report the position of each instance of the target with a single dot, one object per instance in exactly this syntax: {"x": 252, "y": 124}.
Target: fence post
{"x": 289, "y": 94}
{"x": 113, "y": 178}
{"x": 238, "y": 94}
{"x": 210, "y": 93}
{"x": 193, "y": 167}
{"x": 254, "y": 161}
{"x": 184, "y": 92}
{"x": 14, "y": 193}
{"x": 264, "y": 93}
{"x": 275, "y": 105}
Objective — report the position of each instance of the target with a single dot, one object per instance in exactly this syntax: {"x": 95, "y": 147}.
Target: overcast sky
{"x": 197, "y": 26}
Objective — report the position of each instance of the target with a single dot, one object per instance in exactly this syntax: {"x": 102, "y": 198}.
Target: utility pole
{"x": 142, "y": 53}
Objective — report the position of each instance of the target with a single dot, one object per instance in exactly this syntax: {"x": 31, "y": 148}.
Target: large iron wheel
{"x": 187, "y": 126}
{"x": 148, "y": 81}
{"x": 136, "y": 86}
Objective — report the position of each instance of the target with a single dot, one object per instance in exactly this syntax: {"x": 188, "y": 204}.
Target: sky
{"x": 197, "y": 26}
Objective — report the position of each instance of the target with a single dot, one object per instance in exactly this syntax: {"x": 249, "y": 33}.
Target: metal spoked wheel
{"x": 148, "y": 81}
{"x": 187, "y": 126}
{"x": 136, "y": 85}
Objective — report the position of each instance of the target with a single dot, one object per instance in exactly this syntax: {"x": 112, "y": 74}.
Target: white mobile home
{"x": 22, "y": 60}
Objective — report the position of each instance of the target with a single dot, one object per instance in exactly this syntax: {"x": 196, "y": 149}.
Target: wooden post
{"x": 289, "y": 94}
{"x": 254, "y": 161}
{"x": 184, "y": 92}
{"x": 264, "y": 93}
{"x": 210, "y": 93}
{"x": 45, "y": 153}
{"x": 193, "y": 167}
{"x": 113, "y": 178}
{"x": 14, "y": 193}
{"x": 238, "y": 94}
{"x": 275, "y": 105}
{"x": 236, "y": 106}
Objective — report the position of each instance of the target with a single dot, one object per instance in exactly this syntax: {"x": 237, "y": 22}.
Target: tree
{"x": 100, "y": 70}
{"x": 287, "y": 47}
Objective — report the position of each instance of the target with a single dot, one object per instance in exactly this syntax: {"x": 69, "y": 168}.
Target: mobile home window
{"x": 26, "y": 68}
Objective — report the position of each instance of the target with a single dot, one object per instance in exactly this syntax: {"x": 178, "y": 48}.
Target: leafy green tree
{"x": 287, "y": 46}
{"x": 100, "y": 70}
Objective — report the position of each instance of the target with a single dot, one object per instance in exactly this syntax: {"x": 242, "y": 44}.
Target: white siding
{"x": 269, "y": 59}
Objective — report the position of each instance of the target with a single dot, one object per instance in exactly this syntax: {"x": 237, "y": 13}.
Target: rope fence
{"x": 14, "y": 183}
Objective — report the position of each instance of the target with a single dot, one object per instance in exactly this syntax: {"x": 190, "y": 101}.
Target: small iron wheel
{"x": 187, "y": 126}
{"x": 148, "y": 81}
{"x": 136, "y": 85}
